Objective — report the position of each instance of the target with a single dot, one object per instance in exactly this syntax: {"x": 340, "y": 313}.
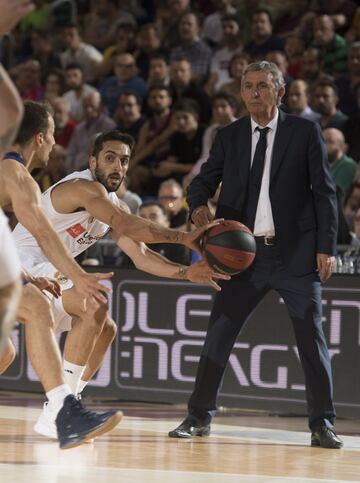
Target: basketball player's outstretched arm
{"x": 11, "y": 111}
{"x": 24, "y": 195}
{"x": 93, "y": 197}
{"x": 149, "y": 261}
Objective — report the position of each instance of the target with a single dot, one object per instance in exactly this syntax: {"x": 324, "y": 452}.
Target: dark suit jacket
{"x": 302, "y": 194}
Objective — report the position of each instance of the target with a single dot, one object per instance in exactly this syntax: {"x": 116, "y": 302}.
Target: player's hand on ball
{"x": 200, "y": 272}
{"x": 192, "y": 239}
{"x": 201, "y": 216}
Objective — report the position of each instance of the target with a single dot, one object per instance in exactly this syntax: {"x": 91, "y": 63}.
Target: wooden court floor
{"x": 243, "y": 447}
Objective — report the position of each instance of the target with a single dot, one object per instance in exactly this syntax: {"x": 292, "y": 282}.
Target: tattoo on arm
{"x": 171, "y": 236}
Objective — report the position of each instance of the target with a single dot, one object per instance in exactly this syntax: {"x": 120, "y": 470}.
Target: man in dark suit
{"x": 275, "y": 179}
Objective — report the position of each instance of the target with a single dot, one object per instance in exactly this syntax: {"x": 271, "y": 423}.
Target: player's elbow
{"x": 140, "y": 259}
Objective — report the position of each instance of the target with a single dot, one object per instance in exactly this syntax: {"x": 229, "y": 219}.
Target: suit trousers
{"x": 234, "y": 305}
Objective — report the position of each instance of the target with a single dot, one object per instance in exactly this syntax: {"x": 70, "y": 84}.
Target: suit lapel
{"x": 244, "y": 153}
{"x": 281, "y": 141}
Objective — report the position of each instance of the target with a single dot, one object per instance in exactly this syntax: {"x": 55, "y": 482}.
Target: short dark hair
{"x": 113, "y": 135}
{"x": 131, "y": 93}
{"x": 180, "y": 58}
{"x": 74, "y": 65}
{"x": 35, "y": 120}
{"x": 229, "y": 98}
{"x": 231, "y": 17}
{"x": 158, "y": 86}
{"x": 188, "y": 105}
{"x": 327, "y": 83}
{"x": 154, "y": 203}
{"x": 159, "y": 55}
{"x": 263, "y": 10}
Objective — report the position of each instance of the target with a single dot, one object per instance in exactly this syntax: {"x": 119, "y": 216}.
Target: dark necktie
{"x": 255, "y": 178}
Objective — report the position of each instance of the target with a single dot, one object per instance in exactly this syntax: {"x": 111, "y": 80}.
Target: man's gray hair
{"x": 271, "y": 68}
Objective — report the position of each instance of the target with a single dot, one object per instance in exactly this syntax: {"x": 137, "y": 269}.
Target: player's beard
{"x": 109, "y": 184}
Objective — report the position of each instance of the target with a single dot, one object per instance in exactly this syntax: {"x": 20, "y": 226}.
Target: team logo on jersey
{"x": 76, "y": 230}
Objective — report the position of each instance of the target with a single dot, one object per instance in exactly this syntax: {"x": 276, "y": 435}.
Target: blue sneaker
{"x": 75, "y": 424}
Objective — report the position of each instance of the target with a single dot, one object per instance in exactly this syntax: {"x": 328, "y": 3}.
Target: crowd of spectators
{"x": 169, "y": 72}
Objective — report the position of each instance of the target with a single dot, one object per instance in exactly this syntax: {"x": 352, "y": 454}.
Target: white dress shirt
{"x": 264, "y": 222}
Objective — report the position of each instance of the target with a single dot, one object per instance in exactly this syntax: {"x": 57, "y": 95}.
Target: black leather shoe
{"x": 326, "y": 438}
{"x": 190, "y": 428}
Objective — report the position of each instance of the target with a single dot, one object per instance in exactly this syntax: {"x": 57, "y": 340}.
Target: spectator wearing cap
{"x": 126, "y": 78}
{"x": 80, "y": 52}
{"x": 78, "y": 89}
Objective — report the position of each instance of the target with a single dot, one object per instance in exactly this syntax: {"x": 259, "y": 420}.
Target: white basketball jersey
{"x": 77, "y": 230}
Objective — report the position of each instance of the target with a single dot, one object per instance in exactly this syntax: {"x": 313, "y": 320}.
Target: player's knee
{"x": 39, "y": 306}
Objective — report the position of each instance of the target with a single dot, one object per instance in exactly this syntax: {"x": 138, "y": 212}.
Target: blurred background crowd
{"x": 169, "y": 72}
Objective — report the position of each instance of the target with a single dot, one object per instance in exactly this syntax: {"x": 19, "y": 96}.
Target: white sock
{"x": 73, "y": 374}
{"x": 56, "y": 397}
{"x": 81, "y": 386}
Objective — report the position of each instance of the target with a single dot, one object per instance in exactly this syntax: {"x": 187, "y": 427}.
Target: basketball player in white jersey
{"x": 19, "y": 191}
{"x": 83, "y": 207}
